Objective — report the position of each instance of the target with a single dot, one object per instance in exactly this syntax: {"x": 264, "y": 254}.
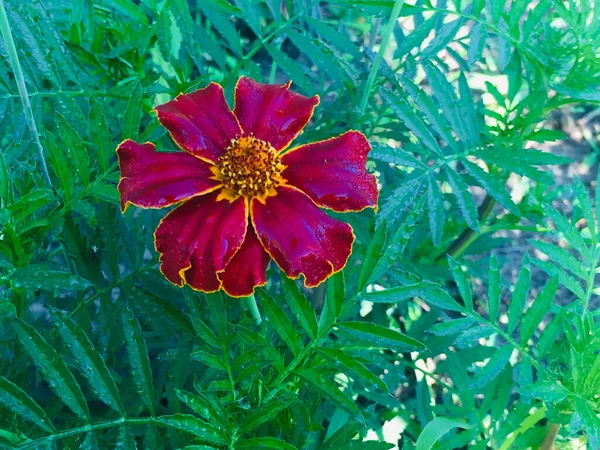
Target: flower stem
{"x": 253, "y": 307}
{"x": 20, "y": 79}
{"x": 385, "y": 39}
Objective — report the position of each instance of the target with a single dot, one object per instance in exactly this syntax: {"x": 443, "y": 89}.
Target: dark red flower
{"x": 243, "y": 200}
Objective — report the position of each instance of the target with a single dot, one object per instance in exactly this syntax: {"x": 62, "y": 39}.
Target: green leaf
{"x": 339, "y": 41}
{"x": 265, "y": 442}
{"x": 60, "y": 165}
{"x": 139, "y": 362}
{"x": 279, "y": 321}
{"x": 100, "y": 134}
{"x": 538, "y": 310}
{"x": 336, "y": 293}
{"x": 5, "y": 183}
{"x": 381, "y": 336}
{"x": 519, "y": 295}
{"x": 469, "y": 118}
{"x": 193, "y": 425}
{"x": 414, "y": 123}
{"x": 477, "y": 35}
{"x": 582, "y": 199}
{"x": 494, "y": 288}
{"x": 492, "y": 369}
{"x": 399, "y": 241}
{"x": 202, "y": 406}
{"x": 427, "y": 105}
{"x": 462, "y": 281}
{"x": 435, "y": 429}
{"x": 106, "y": 193}
{"x": 548, "y": 391}
{"x": 133, "y": 114}
{"x": 74, "y": 145}
{"x": 19, "y": 402}
{"x": 91, "y": 365}
{"x": 292, "y": 68}
{"x": 435, "y": 210}
{"x": 397, "y": 156}
{"x": 400, "y": 200}
{"x": 301, "y": 308}
{"x": 354, "y": 366}
{"x": 264, "y": 414}
{"x": 53, "y": 368}
{"x": 492, "y": 185}
{"x": 463, "y": 198}
{"x": 559, "y": 256}
{"x": 327, "y": 388}
{"x": 39, "y": 276}
{"x": 373, "y": 254}
{"x": 210, "y": 360}
{"x": 570, "y": 232}
{"x": 430, "y": 292}
{"x": 452, "y": 327}
{"x": 205, "y": 333}
{"x": 130, "y": 10}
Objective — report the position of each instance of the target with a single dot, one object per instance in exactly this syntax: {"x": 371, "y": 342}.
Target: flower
{"x": 242, "y": 200}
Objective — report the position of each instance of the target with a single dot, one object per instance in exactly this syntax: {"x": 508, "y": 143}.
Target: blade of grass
{"x": 385, "y": 39}
{"x": 18, "y": 71}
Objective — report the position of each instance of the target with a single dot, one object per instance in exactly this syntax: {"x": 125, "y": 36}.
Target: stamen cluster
{"x": 250, "y": 167}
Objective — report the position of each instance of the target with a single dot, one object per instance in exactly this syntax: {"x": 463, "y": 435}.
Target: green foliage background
{"x": 423, "y": 341}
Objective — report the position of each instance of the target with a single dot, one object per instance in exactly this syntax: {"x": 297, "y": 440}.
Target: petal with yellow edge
{"x": 333, "y": 172}
{"x": 271, "y": 112}
{"x": 198, "y": 239}
{"x": 152, "y": 179}
{"x": 300, "y": 237}
{"x": 248, "y": 268}
{"x": 201, "y": 123}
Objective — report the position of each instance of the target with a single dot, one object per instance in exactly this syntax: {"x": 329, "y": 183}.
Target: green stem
{"x": 253, "y": 307}
{"x": 387, "y": 33}
{"x": 20, "y": 80}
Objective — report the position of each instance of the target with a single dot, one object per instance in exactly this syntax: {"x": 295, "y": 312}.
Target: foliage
{"x": 423, "y": 341}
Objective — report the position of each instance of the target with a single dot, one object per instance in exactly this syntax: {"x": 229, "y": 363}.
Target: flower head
{"x": 242, "y": 199}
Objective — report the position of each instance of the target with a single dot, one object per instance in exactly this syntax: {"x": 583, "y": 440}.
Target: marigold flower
{"x": 243, "y": 201}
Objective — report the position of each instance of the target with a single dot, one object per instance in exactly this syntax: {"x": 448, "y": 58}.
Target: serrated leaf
{"x": 5, "y": 182}
{"x": 139, "y": 362}
{"x": 301, "y": 308}
{"x": 19, "y": 402}
{"x": 328, "y": 388}
{"x": 537, "y": 311}
{"x": 200, "y": 406}
{"x": 53, "y": 368}
{"x": 493, "y": 186}
{"x": 414, "y": 123}
{"x": 277, "y": 318}
{"x": 339, "y": 357}
{"x": 430, "y": 292}
{"x": 100, "y": 135}
{"x": 453, "y": 326}
{"x": 435, "y": 429}
{"x": 478, "y": 36}
{"x": 264, "y": 442}
{"x": 373, "y": 254}
{"x": 494, "y": 288}
{"x": 292, "y": 68}
{"x": 462, "y": 281}
{"x": 338, "y": 40}
{"x": 444, "y": 35}
{"x": 519, "y": 295}
{"x": 40, "y": 276}
{"x": 548, "y": 391}
{"x": 336, "y": 293}
{"x": 205, "y": 333}
{"x": 400, "y": 200}
{"x": 91, "y": 365}
{"x": 193, "y": 425}
{"x": 561, "y": 257}
{"x": 74, "y": 145}
{"x": 59, "y": 164}
{"x": 463, "y": 198}
{"x": 133, "y": 114}
{"x": 381, "y": 336}
{"x": 492, "y": 369}
{"x": 435, "y": 210}
{"x": 396, "y": 156}
{"x": 582, "y": 199}
{"x": 264, "y": 414}
{"x": 210, "y": 360}
{"x": 570, "y": 232}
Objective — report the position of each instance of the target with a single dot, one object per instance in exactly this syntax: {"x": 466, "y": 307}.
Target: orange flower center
{"x": 250, "y": 168}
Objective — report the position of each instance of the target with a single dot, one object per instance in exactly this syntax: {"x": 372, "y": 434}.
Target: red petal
{"x": 300, "y": 237}
{"x": 201, "y": 122}
{"x": 151, "y": 179}
{"x": 333, "y": 172}
{"x": 197, "y": 239}
{"x": 248, "y": 268}
{"x": 271, "y": 112}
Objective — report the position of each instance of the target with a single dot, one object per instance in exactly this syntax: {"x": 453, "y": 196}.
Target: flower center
{"x": 250, "y": 168}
